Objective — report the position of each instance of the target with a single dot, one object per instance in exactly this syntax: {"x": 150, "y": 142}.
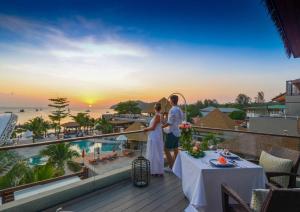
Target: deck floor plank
{"x": 163, "y": 194}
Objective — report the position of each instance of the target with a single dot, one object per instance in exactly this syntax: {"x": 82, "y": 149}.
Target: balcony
{"x": 104, "y": 185}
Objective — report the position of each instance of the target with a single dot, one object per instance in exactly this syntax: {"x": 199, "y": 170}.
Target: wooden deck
{"x": 163, "y": 194}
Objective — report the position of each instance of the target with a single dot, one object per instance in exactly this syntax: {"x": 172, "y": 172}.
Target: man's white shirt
{"x": 175, "y": 118}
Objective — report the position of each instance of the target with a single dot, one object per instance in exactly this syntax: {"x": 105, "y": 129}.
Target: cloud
{"x": 58, "y": 43}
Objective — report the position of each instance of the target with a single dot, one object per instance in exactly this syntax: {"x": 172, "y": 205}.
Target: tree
{"x": 59, "y": 154}
{"x": 260, "y": 98}
{"x": 82, "y": 119}
{"x": 104, "y": 126}
{"x": 129, "y": 107}
{"x": 237, "y": 115}
{"x": 243, "y": 100}
{"x": 210, "y": 102}
{"x": 60, "y": 112}
{"x": 38, "y": 126}
{"x": 21, "y": 173}
{"x": 192, "y": 111}
{"x": 44, "y": 172}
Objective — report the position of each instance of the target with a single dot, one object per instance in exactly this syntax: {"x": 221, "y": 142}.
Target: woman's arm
{"x": 156, "y": 122}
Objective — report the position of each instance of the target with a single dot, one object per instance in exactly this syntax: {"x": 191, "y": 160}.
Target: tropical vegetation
{"x": 103, "y": 125}
{"x": 21, "y": 173}
{"x": 38, "y": 126}
{"x": 238, "y": 115}
{"x": 7, "y": 160}
{"x": 128, "y": 107}
{"x": 59, "y": 154}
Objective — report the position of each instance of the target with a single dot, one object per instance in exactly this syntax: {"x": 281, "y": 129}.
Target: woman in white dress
{"x": 155, "y": 144}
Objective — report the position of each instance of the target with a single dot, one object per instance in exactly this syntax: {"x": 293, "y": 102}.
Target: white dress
{"x": 155, "y": 148}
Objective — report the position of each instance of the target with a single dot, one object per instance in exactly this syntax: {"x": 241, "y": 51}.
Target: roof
{"x": 4, "y": 121}
{"x": 216, "y": 119}
{"x": 265, "y": 107}
{"x": 165, "y": 106}
{"x": 286, "y": 17}
{"x": 71, "y": 124}
{"x": 209, "y": 109}
{"x": 136, "y": 136}
{"x": 279, "y": 98}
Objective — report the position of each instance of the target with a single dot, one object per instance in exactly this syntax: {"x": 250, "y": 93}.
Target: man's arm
{"x": 171, "y": 119}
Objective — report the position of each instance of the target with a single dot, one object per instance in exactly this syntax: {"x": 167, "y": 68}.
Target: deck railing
{"x": 90, "y": 160}
{"x": 249, "y": 143}
{"x": 245, "y": 143}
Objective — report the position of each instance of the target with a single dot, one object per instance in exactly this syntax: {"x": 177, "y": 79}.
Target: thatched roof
{"x": 216, "y": 119}
{"x": 286, "y": 16}
{"x": 165, "y": 106}
{"x": 70, "y": 125}
{"x": 136, "y": 136}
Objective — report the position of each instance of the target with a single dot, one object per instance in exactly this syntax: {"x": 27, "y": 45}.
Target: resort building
{"x": 266, "y": 110}
{"x": 278, "y": 119}
{"x": 7, "y": 125}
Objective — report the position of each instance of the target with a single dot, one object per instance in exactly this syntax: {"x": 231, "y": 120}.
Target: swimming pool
{"x": 86, "y": 145}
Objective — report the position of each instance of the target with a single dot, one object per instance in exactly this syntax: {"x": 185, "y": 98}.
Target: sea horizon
{"x": 32, "y": 112}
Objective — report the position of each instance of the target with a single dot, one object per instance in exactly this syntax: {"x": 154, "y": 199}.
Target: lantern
{"x": 141, "y": 172}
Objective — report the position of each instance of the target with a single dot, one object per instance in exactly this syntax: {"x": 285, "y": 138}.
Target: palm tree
{"x": 83, "y": 119}
{"x": 21, "y": 173}
{"x": 59, "y": 154}
{"x": 44, "y": 172}
{"x": 18, "y": 175}
{"x": 103, "y": 125}
{"x": 38, "y": 126}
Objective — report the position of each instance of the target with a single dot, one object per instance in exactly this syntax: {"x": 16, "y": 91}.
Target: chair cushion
{"x": 272, "y": 163}
{"x": 298, "y": 182}
{"x": 258, "y": 197}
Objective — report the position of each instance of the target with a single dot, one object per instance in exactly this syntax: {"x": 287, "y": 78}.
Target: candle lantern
{"x": 141, "y": 171}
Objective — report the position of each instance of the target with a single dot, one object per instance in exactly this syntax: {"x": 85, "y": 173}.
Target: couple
{"x": 156, "y": 145}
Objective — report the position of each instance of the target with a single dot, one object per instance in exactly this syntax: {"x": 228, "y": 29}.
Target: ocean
{"x": 30, "y": 113}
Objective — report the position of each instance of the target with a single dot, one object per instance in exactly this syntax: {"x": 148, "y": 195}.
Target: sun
{"x": 90, "y": 105}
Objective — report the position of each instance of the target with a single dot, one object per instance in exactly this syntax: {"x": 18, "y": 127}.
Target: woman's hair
{"x": 157, "y": 106}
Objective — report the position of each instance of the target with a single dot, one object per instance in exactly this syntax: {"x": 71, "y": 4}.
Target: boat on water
{"x": 87, "y": 110}
{"x": 21, "y": 110}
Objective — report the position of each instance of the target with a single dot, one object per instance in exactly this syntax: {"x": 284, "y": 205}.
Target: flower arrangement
{"x": 186, "y": 135}
{"x": 196, "y": 151}
{"x": 186, "y": 138}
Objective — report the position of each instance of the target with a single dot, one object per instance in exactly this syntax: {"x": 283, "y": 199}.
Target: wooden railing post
{"x": 7, "y": 196}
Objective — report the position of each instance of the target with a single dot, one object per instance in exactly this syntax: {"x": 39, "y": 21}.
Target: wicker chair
{"x": 277, "y": 200}
{"x": 287, "y": 154}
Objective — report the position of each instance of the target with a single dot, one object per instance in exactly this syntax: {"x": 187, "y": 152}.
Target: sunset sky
{"x": 103, "y": 52}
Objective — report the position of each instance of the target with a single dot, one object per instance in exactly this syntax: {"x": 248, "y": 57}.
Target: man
{"x": 172, "y": 130}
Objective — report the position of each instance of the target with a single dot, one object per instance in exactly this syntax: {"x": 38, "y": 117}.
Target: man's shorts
{"x": 171, "y": 141}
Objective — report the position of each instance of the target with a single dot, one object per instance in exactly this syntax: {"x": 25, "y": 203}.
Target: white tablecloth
{"x": 201, "y": 182}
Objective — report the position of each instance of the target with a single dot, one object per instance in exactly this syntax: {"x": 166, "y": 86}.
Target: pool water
{"x": 89, "y": 146}
{"x": 86, "y": 145}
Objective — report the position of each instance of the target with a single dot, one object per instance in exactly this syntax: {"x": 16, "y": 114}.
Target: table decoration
{"x": 196, "y": 151}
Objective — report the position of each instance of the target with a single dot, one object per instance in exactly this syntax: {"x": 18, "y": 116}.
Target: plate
{"x": 216, "y": 163}
{"x": 230, "y": 156}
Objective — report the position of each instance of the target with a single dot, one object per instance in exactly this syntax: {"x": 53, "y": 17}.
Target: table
{"x": 201, "y": 182}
